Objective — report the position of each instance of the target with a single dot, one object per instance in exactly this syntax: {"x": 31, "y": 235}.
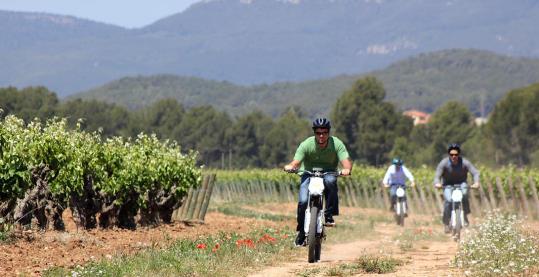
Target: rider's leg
{"x": 302, "y": 206}
{"x": 447, "y": 205}
{"x": 331, "y": 195}
{"x": 393, "y": 195}
{"x": 465, "y": 202}
{"x": 302, "y": 203}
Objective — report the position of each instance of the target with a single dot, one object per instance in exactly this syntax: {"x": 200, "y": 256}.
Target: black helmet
{"x": 321, "y": 123}
{"x": 453, "y": 146}
{"x": 397, "y": 161}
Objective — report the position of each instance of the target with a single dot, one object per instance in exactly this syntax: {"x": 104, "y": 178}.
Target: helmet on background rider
{"x": 397, "y": 161}
{"x": 321, "y": 123}
{"x": 453, "y": 146}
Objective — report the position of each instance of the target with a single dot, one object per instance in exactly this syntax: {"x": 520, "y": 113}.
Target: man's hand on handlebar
{"x": 290, "y": 168}
{"x": 345, "y": 172}
{"x": 475, "y": 185}
{"x": 438, "y": 185}
{"x": 412, "y": 184}
{"x": 386, "y": 185}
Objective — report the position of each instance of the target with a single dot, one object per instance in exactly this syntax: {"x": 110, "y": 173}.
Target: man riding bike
{"x": 319, "y": 151}
{"x": 396, "y": 175}
{"x": 453, "y": 170}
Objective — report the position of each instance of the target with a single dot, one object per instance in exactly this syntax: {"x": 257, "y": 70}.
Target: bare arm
{"x": 346, "y": 167}
{"x": 292, "y": 166}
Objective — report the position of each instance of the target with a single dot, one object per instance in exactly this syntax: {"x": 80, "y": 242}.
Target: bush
{"x": 498, "y": 247}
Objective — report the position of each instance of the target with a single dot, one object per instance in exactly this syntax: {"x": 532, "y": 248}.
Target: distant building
{"x": 419, "y": 117}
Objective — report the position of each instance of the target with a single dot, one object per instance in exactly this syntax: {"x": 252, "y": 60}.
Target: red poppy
{"x": 215, "y": 248}
{"x": 267, "y": 238}
{"x": 201, "y": 246}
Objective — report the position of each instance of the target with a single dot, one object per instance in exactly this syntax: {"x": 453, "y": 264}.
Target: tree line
{"x": 373, "y": 129}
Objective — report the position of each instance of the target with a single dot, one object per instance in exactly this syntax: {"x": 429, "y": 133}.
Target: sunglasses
{"x": 321, "y": 133}
{"x": 454, "y": 155}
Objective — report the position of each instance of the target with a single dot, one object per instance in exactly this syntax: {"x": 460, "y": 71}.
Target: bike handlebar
{"x": 336, "y": 174}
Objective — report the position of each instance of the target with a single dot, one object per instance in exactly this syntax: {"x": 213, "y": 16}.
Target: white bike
{"x": 457, "y": 214}
{"x": 314, "y": 214}
{"x": 400, "y": 205}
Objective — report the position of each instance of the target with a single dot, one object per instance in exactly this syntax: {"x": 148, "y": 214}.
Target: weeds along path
{"x": 422, "y": 247}
{"x": 37, "y": 251}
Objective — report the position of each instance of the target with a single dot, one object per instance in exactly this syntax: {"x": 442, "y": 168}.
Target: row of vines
{"x": 46, "y": 168}
{"x": 509, "y": 189}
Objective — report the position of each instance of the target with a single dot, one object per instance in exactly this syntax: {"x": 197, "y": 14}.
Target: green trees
{"x": 514, "y": 126}
{"x": 246, "y": 138}
{"x": 451, "y": 123}
{"x": 284, "y": 137}
{"x": 28, "y": 103}
{"x": 367, "y": 124}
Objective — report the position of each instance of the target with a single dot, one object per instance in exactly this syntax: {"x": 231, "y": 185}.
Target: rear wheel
{"x": 312, "y": 238}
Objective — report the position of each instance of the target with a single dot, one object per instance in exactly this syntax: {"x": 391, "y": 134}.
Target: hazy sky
{"x": 126, "y": 13}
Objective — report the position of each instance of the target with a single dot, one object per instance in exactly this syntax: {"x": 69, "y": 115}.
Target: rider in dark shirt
{"x": 451, "y": 171}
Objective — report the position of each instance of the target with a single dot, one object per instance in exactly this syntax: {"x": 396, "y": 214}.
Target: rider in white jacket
{"x": 396, "y": 175}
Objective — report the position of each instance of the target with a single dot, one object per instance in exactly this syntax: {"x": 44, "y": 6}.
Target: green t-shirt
{"x": 311, "y": 155}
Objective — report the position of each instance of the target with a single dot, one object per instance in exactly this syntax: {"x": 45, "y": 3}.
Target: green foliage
{"x": 366, "y": 124}
{"x": 514, "y": 125}
{"x": 378, "y": 264}
{"x": 117, "y": 167}
{"x": 452, "y": 123}
{"x": 93, "y": 115}
{"x": 283, "y": 138}
{"x": 246, "y": 138}
{"x": 28, "y": 103}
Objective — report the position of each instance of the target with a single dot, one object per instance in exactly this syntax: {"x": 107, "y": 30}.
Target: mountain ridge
{"x": 475, "y": 77}
{"x": 264, "y": 41}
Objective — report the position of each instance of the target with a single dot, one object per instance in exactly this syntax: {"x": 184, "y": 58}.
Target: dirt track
{"x": 434, "y": 261}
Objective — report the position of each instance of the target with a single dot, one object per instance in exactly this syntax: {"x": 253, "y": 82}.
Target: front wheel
{"x": 312, "y": 239}
{"x": 400, "y": 215}
{"x": 458, "y": 224}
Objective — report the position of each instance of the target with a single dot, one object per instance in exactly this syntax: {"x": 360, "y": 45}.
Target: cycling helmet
{"x": 397, "y": 161}
{"x": 321, "y": 123}
{"x": 453, "y": 146}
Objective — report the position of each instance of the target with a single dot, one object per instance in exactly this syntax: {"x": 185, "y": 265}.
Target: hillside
{"x": 259, "y": 41}
{"x": 424, "y": 82}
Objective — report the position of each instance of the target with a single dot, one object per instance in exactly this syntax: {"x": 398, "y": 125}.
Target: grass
{"x": 236, "y": 210}
{"x": 6, "y": 231}
{"x": 365, "y": 264}
{"x": 226, "y": 254}
{"x": 409, "y": 237}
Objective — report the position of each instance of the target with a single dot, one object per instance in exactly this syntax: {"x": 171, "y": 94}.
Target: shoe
{"x": 329, "y": 221}
{"x": 300, "y": 239}
{"x": 447, "y": 229}
{"x": 466, "y": 222}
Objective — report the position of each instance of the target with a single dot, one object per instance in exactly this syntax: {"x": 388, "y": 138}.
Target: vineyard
{"x": 507, "y": 189}
{"x": 46, "y": 168}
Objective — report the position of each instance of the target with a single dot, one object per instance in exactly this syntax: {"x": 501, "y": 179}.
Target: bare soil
{"x": 36, "y": 251}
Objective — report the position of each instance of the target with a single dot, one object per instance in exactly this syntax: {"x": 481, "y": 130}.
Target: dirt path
{"x": 427, "y": 258}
